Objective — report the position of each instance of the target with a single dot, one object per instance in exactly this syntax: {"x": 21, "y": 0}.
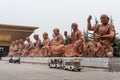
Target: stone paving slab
{"x": 9, "y": 71}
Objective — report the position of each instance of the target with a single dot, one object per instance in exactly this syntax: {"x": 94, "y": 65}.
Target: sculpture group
{"x": 76, "y": 46}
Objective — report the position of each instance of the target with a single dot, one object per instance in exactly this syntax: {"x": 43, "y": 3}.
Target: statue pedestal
{"x": 109, "y": 64}
{"x": 85, "y": 62}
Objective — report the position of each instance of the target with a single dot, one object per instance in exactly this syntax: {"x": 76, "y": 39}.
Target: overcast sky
{"x": 49, "y": 14}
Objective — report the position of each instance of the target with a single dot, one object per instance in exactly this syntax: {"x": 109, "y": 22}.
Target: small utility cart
{"x": 72, "y": 64}
{"x": 55, "y": 63}
{"x": 14, "y": 60}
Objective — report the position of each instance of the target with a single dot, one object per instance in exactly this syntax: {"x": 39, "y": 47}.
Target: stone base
{"x": 85, "y": 62}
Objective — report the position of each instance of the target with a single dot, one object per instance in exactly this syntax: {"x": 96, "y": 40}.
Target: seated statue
{"x": 28, "y": 47}
{"x": 45, "y": 50}
{"x": 102, "y": 32}
{"x": 75, "y": 40}
{"x": 12, "y": 50}
{"x": 57, "y": 45}
{"x": 16, "y": 47}
{"x": 21, "y": 47}
{"x": 35, "y": 51}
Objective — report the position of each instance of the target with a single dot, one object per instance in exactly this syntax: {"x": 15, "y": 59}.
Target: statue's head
{"x": 56, "y": 31}
{"x": 13, "y": 42}
{"x": 16, "y": 41}
{"x": 36, "y": 36}
{"x": 27, "y": 39}
{"x": 45, "y": 35}
{"x": 104, "y": 19}
{"x": 65, "y": 33}
{"x": 74, "y": 26}
{"x": 21, "y": 41}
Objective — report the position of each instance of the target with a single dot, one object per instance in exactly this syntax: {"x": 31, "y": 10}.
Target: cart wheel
{"x": 71, "y": 68}
{"x": 79, "y": 69}
{"x": 50, "y": 66}
{"x": 55, "y": 66}
{"x": 64, "y": 68}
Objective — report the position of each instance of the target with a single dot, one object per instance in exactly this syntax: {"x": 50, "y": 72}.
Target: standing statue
{"x": 102, "y": 32}
{"x": 72, "y": 50}
{"x": 45, "y": 50}
{"x": 57, "y": 45}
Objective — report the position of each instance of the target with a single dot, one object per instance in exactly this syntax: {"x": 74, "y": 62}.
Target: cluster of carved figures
{"x": 77, "y": 46}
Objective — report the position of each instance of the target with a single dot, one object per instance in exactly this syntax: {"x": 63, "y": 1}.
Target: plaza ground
{"x": 23, "y": 71}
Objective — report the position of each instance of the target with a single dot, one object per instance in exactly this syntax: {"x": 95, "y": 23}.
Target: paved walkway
{"x": 24, "y": 71}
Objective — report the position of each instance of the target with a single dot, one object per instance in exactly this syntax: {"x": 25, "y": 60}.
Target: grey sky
{"x": 48, "y": 14}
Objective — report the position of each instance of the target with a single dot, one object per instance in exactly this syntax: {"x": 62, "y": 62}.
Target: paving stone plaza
{"x": 25, "y": 71}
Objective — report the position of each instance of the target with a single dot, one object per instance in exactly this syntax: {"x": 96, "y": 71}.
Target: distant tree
{"x": 110, "y": 20}
{"x": 96, "y": 21}
{"x": 89, "y": 35}
{"x": 116, "y": 46}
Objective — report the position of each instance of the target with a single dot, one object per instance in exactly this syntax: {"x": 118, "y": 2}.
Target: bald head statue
{"x": 45, "y": 35}
{"x": 36, "y": 36}
{"x": 21, "y": 41}
{"x": 74, "y": 26}
{"x": 27, "y": 39}
{"x": 104, "y": 19}
{"x": 17, "y": 41}
{"x": 56, "y": 31}
{"x": 13, "y": 43}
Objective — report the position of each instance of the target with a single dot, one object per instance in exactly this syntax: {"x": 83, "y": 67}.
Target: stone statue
{"x": 102, "y": 32}
{"x": 16, "y": 47}
{"x": 35, "y": 52}
{"x": 72, "y": 50}
{"x": 28, "y": 47}
{"x": 21, "y": 47}
{"x": 90, "y": 49}
{"x": 57, "y": 45}
{"x": 68, "y": 37}
{"x": 75, "y": 45}
{"x": 45, "y": 50}
{"x": 12, "y": 50}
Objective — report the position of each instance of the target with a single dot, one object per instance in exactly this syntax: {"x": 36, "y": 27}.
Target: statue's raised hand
{"x": 89, "y": 18}
{"x": 65, "y": 33}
